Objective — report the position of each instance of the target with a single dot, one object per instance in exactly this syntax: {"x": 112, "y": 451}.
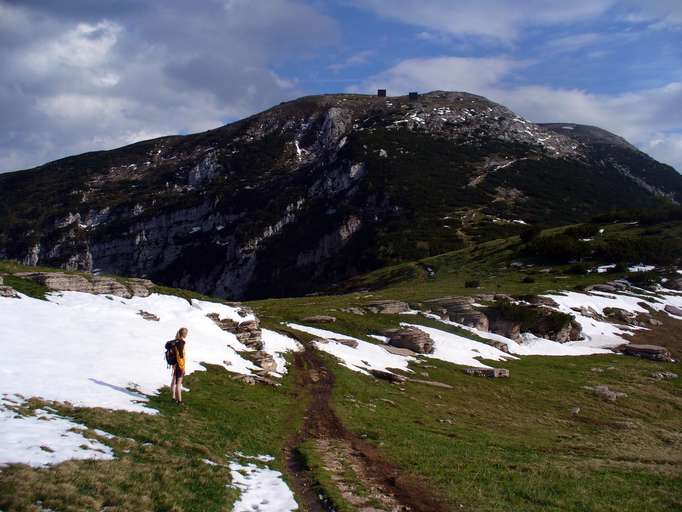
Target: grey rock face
{"x": 387, "y": 307}
{"x": 59, "y": 281}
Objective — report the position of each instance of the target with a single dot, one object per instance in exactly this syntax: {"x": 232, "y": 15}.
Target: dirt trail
{"x": 358, "y": 471}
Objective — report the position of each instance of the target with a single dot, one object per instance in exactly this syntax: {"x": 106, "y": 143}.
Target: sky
{"x": 83, "y": 75}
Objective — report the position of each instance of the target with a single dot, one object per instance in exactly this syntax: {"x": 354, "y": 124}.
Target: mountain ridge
{"x": 318, "y": 189}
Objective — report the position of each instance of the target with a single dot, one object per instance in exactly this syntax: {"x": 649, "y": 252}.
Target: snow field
{"x": 97, "y": 351}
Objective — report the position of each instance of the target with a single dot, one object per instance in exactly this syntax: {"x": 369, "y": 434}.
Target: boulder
{"x": 406, "y": 352}
{"x": 603, "y": 391}
{"x": 108, "y": 286}
{"x": 346, "y": 342}
{"x": 7, "y": 291}
{"x": 387, "y": 307}
{"x": 319, "y": 319}
{"x": 673, "y": 310}
{"x": 674, "y": 284}
{"x": 493, "y": 373}
{"x": 663, "y": 375}
{"x": 411, "y": 338}
{"x": 390, "y": 377}
{"x": 620, "y": 315}
{"x": 537, "y": 300}
{"x": 652, "y": 352}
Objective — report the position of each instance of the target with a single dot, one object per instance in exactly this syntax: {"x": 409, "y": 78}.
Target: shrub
{"x": 582, "y": 231}
{"x": 528, "y": 280}
{"x": 618, "y": 269}
{"x": 474, "y": 283}
{"x": 559, "y": 248}
{"x": 643, "y": 278}
{"x": 530, "y": 234}
{"x": 578, "y": 269}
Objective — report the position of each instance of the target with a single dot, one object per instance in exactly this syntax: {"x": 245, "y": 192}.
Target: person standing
{"x": 179, "y": 366}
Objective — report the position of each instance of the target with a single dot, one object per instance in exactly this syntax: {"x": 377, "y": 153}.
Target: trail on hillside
{"x": 360, "y": 474}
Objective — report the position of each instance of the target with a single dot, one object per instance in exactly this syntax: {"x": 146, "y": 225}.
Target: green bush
{"x": 530, "y": 234}
{"x": 474, "y": 283}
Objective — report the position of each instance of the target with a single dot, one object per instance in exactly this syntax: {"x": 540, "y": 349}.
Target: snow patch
{"x": 277, "y": 344}
{"x": 366, "y": 356}
{"x": 44, "y": 438}
{"x": 262, "y": 489}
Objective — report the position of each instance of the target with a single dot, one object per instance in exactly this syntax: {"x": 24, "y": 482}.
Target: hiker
{"x": 177, "y": 346}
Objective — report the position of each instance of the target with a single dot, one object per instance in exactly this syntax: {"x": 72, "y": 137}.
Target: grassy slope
{"x": 503, "y": 445}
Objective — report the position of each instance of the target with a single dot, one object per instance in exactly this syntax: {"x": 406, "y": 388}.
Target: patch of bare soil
{"x": 363, "y": 478}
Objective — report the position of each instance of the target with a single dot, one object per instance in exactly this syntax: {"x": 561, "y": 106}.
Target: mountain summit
{"x": 318, "y": 189}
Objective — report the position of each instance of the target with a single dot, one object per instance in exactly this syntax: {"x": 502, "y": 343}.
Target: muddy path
{"x": 374, "y": 484}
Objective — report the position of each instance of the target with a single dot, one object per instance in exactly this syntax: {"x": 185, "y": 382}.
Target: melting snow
{"x": 366, "y": 356}
{"x": 458, "y": 349}
{"x": 277, "y": 344}
{"x": 97, "y": 351}
{"x": 641, "y": 268}
{"x": 262, "y": 489}
{"x": 44, "y": 438}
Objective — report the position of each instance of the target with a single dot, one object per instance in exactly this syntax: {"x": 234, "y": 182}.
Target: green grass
{"x": 503, "y": 445}
{"x": 158, "y": 462}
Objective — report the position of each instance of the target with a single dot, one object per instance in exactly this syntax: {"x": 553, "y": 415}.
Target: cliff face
{"x": 318, "y": 189}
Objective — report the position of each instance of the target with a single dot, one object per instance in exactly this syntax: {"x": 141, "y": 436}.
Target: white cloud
{"x": 448, "y": 73}
{"x": 573, "y": 42}
{"x": 648, "y": 118}
{"x": 494, "y": 19}
{"x": 95, "y": 77}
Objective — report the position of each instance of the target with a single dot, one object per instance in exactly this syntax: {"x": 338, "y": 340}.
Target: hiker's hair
{"x": 182, "y": 332}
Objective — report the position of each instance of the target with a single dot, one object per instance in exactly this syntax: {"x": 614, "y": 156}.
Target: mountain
{"x": 318, "y": 189}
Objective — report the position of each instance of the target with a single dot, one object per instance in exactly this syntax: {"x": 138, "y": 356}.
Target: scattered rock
{"x": 148, "y": 316}
{"x": 354, "y": 310}
{"x": 603, "y": 391}
{"x": 673, "y": 310}
{"x": 7, "y": 291}
{"x": 537, "y": 300}
{"x": 400, "y": 351}
{"x": 493, "y": 373}
{"x": 319, "y": 319}
{"x": 652, "y": 352}
{"x": 262, "y": 359}
{"x": 390, "y": 377}
{"x": 246, "y": 379}
{"x": 602, "y": 288}
{"x": 575, "y": 411}
{"x": 655, "y": 322}
{"x": 411, "y": 338}
{"x": 387, "y": 307}
{"x": 620, "y": 315}
{"x": 346, "y": 342}
{"x": 663, "y": 375}
{"x": 247, "y": 332}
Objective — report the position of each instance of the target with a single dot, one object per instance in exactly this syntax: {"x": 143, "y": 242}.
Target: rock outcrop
{"x": 247, "y": 332}
{"x": 98, "y": 285}
{"x": 410, "y": 338}
{"x": 387, "y": 307}
{"x": 652, "y": 352}
{"x": 7, "y": 291}
{"x": 319, "y": 319}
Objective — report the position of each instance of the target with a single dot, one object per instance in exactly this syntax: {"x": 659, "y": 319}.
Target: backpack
{"x": 171, "y": 359}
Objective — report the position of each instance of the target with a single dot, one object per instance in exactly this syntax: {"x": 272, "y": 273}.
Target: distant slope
{"x": 319, "y": 189}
